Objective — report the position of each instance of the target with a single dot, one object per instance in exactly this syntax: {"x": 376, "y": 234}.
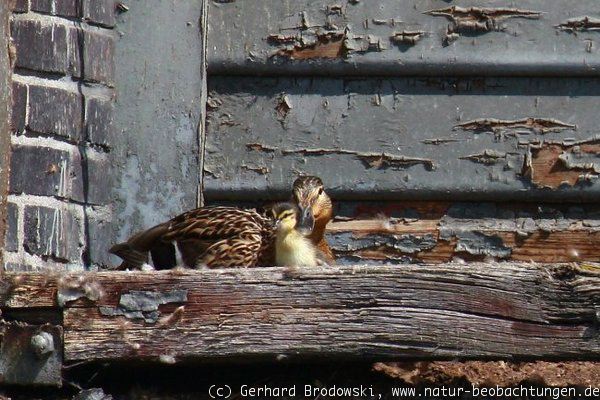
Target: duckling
{"x": 292, "y": 247}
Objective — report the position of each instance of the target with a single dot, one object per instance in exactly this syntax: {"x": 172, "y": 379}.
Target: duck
{"x": 228, "y": 237}
{"x": 316, "y": 211}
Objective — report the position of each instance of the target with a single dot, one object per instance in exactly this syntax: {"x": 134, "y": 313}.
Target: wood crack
{"x": 376, "y": 160}
{"x": 478, "y": 19}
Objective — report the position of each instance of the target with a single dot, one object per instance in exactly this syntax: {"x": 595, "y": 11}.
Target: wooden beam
{"x": 427, "y": 312}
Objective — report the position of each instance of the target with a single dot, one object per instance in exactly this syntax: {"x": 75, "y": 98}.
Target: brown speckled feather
{"x": 210, "y": 236}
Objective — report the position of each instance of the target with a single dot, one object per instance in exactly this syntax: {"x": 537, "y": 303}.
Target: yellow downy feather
{"x": 295, "y": 250}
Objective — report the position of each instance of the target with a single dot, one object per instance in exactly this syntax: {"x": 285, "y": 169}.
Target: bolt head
{"x": 42, "y": 344}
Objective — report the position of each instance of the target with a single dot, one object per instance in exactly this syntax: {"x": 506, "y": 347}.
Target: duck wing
{"x": 136, "y": 249}
{"x": 219, "y": 237}
{"x": 207, "y": 236}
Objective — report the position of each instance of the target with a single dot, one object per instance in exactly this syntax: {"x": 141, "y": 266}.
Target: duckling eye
{"x": 285, "y": 215}
{"x": 320, "y": 192}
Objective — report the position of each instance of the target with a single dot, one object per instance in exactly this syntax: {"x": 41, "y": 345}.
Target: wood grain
{"x": 428, "y": 312}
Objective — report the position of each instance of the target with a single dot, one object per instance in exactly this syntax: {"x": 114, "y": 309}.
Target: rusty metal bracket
{"x": 31, "y": 354}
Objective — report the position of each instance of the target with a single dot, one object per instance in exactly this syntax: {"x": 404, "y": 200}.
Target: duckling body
{"x": 294, "y": 250}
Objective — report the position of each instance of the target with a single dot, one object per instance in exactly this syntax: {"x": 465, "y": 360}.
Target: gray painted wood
{"x": 504, "y": 311}
{"x": 160, "y": 80}
{"x": 455, "y": 138}
{"x": 498, "y": 37}
{"x": 5, "y": 111}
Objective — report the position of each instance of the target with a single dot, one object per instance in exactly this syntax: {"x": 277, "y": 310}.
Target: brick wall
{"x": 63, "y": 90}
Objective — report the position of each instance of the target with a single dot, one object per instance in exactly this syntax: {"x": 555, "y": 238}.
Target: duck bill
{"x": 306, "y": 223}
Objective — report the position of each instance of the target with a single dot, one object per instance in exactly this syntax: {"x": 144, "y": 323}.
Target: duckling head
{"x": 286, "y": 216}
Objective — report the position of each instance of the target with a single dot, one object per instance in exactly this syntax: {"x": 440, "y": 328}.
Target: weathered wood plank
{"x": 434, "y": 37}
{"x": 423, "y": 312}
{"x": 434, "y": 232}
{"x": 461, "y": 139}
{"x": 445, "y": 311}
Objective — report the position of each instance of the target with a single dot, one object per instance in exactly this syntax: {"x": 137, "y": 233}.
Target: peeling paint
{"x": 476, "y": 243}
{"x": 335, "y": 9}
{"x": 279, "y": 38}
{"x": 332, "y": 121}
{"x": 478, "y": 19}
{"x": 438, "y": 141}
{"x": 487, "y": 157}
{"x": 407, "y": 244}
{"x": 483, "y": 13}
{"x": 261, "y": 147}
{"x": 213, "y": 103}
{"x": 472, "y": 231}
{"x": 363, "y": 44}
{"x": 407, "y": 37}
{"x": 262, "y": 170}
{"x": 580, "y": 24}
{"x": 389, "y": 22}
{"x": 325, "y": 45}
{"x": 553, "y": 164}
{"x": 575, "y": 161}
{"x": 71, "y": 288}
{"x": 144, "y": 305}
{"x": 371, "y": 159}
{"x": 283, "y": 107}
{"x": 530, "y": 125}
{"x": 383, "y": 160}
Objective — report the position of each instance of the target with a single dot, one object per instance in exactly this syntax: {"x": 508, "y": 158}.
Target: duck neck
{"x": 318, "y": 233}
